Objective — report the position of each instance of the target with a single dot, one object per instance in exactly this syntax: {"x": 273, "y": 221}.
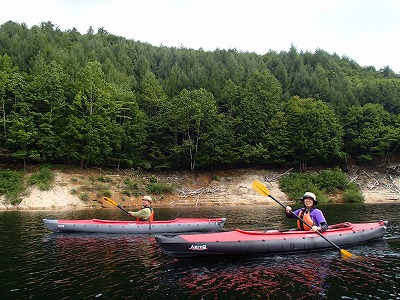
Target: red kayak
{"x": 240, "y": 242}
{"x": 138, "y": 227}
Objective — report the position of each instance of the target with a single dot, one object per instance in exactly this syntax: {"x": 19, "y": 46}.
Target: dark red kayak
{"x": 240, "y": 242}
{"x": 139, "y": 227}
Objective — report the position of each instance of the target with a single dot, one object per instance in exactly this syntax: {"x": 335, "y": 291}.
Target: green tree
{"x": 22, "y": 134}
{"x": 175, "y": 82}
{"x": 152, "y": 101}
{"x": 48, "y": 94}
{"x": 133, "y": 122}
{"x": 391, "y": 140}
{"x": 366, "y": 128}
{"x": 218, "y": 143}
{"x": 259, "y": 104}
{"x": 277, "y": 68}
{"x": 278, "y": 139}
{"x": 316, "y": 134}
{"x": 230, "y": 99}
{"x": 190, "y": 112}
{"x": 6, "y": 70}
{"x": 91, "y": 139}
{"x": 91, "y": 130}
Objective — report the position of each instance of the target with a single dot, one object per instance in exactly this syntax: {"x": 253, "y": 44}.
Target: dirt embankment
{"x": 231, "y": 187}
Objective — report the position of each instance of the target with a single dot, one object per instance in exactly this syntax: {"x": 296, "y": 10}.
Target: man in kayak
{"x": 309, "y": 214}
{"x": 146, "y": 213}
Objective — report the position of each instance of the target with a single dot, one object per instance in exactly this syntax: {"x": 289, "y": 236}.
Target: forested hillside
{"x": 97, "y": 99}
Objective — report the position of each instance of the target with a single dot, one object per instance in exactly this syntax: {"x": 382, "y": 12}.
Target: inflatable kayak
{"x": 240, "y": 242}
{"x": 138, "y": 227}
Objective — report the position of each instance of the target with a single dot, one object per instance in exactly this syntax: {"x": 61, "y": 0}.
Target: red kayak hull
{"x": 240, "y": 242}
{"x": 179, "y": 225}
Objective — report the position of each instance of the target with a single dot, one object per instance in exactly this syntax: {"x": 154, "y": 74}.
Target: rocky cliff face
{"x": 233, "y": 187}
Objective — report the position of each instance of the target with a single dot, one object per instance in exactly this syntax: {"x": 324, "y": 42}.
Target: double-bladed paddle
{"x": 115, "y": 204}
{"x": 262, "y": 189}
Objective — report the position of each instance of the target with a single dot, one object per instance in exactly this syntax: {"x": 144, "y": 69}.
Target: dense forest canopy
{"x": 101, "y": 99}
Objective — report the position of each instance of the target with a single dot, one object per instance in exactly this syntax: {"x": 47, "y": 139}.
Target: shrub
{"x": 294, "y": 185}
{"x": 131, "y": 187}
{"x": 84, "y": 197}
{"x": 158, "y": 188}
{"x": 107, "y": 193}
{"x": 12, "y": 186}
{"x": 103, "y": 179}
{"x": 131, "y": 184}
{"x": 323, "y": 184}
{"x": 352, "y": 194}
{"x": 214, "y": 178}
{"x": 43, "y": 179}
{"x": 331, "y": 180}
{"x": 127, "y": 193}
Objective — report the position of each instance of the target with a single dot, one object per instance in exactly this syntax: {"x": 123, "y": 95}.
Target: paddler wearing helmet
{"x": 309, "y": 214}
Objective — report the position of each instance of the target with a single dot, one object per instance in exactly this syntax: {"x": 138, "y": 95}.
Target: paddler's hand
{"x": 316, "y": 228}
{"x": 288, "y": 209}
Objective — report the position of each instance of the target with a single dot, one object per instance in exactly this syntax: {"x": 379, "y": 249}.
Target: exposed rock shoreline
{"x": 231, "y": 187}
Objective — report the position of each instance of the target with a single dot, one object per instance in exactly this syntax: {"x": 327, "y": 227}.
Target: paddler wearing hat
{"x": 146, "y": 213}
{"x": 309, "y": 214}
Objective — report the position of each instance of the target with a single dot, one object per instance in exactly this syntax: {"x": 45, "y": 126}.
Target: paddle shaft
{"x": 117, "y": 205}
{"x": 301, "y": 220}
{"x": 120, "y": 207}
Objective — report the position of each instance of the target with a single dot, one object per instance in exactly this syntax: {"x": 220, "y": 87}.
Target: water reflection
{"x": 296, "y": 276}
{"x": 257, "y": 278}
{"x": 38, "y": 264}
{"x": 90, "y": 260}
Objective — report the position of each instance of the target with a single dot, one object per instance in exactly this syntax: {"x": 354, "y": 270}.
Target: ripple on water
{"x": 41, "y": 265}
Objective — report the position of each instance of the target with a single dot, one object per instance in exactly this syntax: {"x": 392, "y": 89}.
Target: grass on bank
{"x": 326, "y": 185}
{"x": 14, "y": 185}
{"x": 43, "y": 179}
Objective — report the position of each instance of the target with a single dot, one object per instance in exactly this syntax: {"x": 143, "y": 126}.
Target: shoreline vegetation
{"x": 74, "y": 189}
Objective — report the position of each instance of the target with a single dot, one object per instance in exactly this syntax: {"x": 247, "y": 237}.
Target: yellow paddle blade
{"x": 260, "y": 188}
{"x": 345, "y": 253}
{"x": 110, "y": 201}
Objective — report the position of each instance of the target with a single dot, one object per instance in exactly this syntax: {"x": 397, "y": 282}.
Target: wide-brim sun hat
{"x": 147, "y": 198}
{"x": 310, "y": 195}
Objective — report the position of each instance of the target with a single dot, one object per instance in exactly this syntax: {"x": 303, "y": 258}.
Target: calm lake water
{"x": 38, "y": 264}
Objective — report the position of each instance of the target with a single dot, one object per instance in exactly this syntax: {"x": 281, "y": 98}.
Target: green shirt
{"x": 143, "y": 214}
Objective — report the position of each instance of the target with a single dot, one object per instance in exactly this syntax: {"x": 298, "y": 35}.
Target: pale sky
{"x": 367, "y": 31}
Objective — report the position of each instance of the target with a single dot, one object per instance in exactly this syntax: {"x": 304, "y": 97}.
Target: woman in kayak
{"x": 309, "y": 214}
{"x": 146, "y": 213}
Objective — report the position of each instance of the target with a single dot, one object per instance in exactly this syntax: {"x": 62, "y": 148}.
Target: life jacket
{"x": 305, "y": 216}
{"x": 151, "y": 218}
